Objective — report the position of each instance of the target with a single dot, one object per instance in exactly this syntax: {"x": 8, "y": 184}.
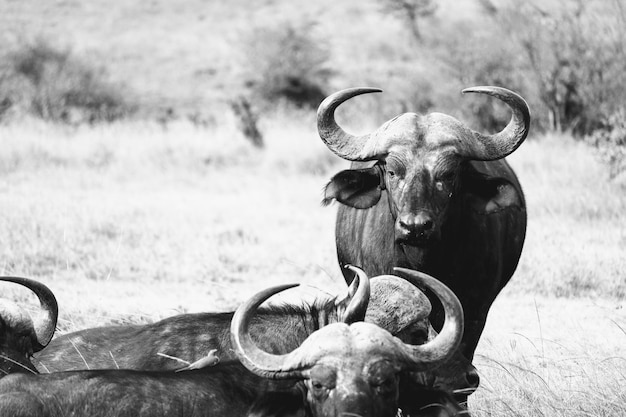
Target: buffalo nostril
{"x": 427, "y": 225}
{"x": 423, "y": 222}
{"x": 473, "y": 380}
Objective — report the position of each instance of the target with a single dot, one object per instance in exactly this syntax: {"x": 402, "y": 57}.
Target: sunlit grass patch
{"x": 576, "y": 238}
{"x": 539, "y": 378}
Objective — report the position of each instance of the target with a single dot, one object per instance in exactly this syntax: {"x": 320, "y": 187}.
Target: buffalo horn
{"x": 345, "y": 145}
{"x": 448, "y": 340}
{"x": 262, "y": 363}
{"x": 360, "y": 298}
{"x": 491, "y": 147}
{"x": 45, "y": 325}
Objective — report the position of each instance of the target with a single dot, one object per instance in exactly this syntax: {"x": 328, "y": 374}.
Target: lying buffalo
{"x": 204, "y": 338}
{"x": 190, "y": 337}
{"x": 428, "y": 193}
{"x": 341, "y": 369}
{"x": 19, "y": 336}
{"x": 350, "y": 369}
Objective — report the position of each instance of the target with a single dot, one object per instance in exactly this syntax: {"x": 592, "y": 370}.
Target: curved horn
{"x": 448, "y": 340}
{"x": 46, "y": 324}
{"x": 499, "y": 145}
{"x": 345, "y": 145}
{"x": 262, "y": 363}
{"x": 358, "y": 305}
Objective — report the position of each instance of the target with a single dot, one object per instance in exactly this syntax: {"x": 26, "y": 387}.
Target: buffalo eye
{"x": 318, "y": 389}
{"x": 385, "y": 385}
{"x": 395, "y": 169}
{"x": 444, "y": 185}
{"x": 383, "y": 377}
{"x": 322, "y": 380}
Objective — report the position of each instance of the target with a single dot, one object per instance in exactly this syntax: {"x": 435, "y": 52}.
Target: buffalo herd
{"x": 430, "y": 228}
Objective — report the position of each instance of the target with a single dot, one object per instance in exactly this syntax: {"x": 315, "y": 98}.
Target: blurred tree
{"x": 411, "y": 12}
{"x": 610, "y": 141}
{"x": 573, "y": 55}
{"x": 287, "y": 62}
{"x": 52, "y": 83}
{"x": 247, "y": 120}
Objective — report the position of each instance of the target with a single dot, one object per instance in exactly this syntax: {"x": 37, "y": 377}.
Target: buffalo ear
{"x": 278, "y": 404}
{"x": 493, "y": 194}
{"x": 358, "y": 188}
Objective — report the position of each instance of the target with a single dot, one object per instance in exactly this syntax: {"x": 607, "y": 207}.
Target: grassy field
{"x": 132, "y": 222}
{"x": 136, "y": 220}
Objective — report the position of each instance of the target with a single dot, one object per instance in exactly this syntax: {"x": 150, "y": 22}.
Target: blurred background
{"x": 160, "y": 157}
{"x": 75, "y": 62}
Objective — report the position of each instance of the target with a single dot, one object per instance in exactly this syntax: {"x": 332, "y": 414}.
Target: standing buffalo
{"x": 341, "y": 369}
{"x": 19, "y": 336}
{"x": 427, "y": 193}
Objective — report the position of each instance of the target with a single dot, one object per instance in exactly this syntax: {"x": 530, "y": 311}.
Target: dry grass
{"x": 132, "y": 222}
{"x": 134, "y": 212}
{"x": 576, "y": 242}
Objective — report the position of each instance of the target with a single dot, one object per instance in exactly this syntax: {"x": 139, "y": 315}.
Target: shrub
{"x": 573, "y": 58}
{"x": 52, "y": 83}
{"x": 286, "y": 62}
{"x": 410, "y": 12}
{"x": 610, "y": 141}
{"x": 471, "y": 64}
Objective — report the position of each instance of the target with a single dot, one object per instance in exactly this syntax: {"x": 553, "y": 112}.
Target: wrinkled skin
{"x": 355, "y": 379}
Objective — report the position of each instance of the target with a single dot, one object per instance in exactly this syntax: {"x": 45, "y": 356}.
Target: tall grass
{"x": 519, "y": 379}
{"x": 576, "y": 237}
{"x": 135, "y": 201}
{"x": 132, "y": 222}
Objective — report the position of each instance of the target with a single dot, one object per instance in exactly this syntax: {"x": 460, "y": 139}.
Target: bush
{"x": 573, "y": 59}
{"x": 410, "y": 12}
{"x": 610, "y": 140}
{"x": 286, "y": 62}
{"x": 48, "y": 82}
{"x": 471, "y": 64}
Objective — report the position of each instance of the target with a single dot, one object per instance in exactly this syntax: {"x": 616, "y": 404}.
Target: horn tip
{"x": 352, "y": 267}
{"x": 499, "y": 92}
{"x": 479, "y": 89}
{"x": 365, "y": 90}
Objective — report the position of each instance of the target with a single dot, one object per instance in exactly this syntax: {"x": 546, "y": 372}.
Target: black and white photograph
{"x": 273, "y": 208}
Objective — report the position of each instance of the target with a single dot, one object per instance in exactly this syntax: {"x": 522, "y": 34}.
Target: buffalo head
{"x": 400, "y": 307}
{"x": 349, "y": 369}
{"x": 20, "y": 337}
{"x": 419, "y": 159}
